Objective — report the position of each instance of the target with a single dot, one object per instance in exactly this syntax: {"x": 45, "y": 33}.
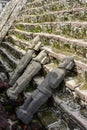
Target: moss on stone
{"x": 83, "y": 87}
{"x": 20, "y": 27}
{"x": 18, "y": 35}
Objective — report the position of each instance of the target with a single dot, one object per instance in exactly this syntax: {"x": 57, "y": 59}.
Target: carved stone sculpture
{"x": 25, "y": 60}
{"x": 32, "y": 69}
{"x": 52, "y": 81}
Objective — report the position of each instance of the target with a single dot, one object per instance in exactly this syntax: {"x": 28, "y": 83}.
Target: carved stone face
{"x": 67, "y": 63}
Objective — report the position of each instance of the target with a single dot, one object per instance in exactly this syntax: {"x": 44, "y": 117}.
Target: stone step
{"x": 81, "y": 91}
{"x": 61, "y": 43}
{"x": 55, "y": 6}
{"x": 6, "y": 64}
{"x": 12, "y": 49}
{"x": 82, "y": 94}
{"x": 71, "y": 111}
{"x": 20, "y": 43}
{"x": 9, "y": 58}
{"x": 38, "y": 3}
{"x": 74, "y": 46}
{"x": 56, "y": 16}
{"x": 46, "y": 8}
{"x": 65, "y": 15}
{"x": 80, "y": 64}
{"x": 73, "y": 29}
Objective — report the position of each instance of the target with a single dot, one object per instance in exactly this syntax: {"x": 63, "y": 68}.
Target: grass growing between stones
{"x": 49, "y": 117}
{"x": 69, "y": 52}
{"x": 21, "y": 37}
{"x": 83, "y": 87}
{"x": 20, "y": 27}
{"x": 14, "y": 42}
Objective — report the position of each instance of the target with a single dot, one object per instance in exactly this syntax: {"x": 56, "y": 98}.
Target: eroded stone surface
{"x": 71, "y": 83}
{"x": 9, "y": 14}
{"x": 66, "y": 38}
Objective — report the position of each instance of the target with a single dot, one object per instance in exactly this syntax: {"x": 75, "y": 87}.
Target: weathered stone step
{"x": 60, "y": 55}
{"x": 12, "y": 49}
{"x": 70, "y": 114}
{"x": 43, "y": 2}
{"x": 8, "y": 16}
{"x": 11, "y": 60}
{"x": 46, "y": 8}
{"x": 6, "y": 64}
{"x": 56, "y": 16}
{"x": 55, "y": 6}
{"x": 16, "y": 41}
{"x": 74, "y": 46}
{"x": 73, "y": 29}
{"x": 82, "y": 93}
{"x": 38, "y": 3}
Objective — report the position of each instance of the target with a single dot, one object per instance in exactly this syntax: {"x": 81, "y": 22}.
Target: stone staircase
{"x": 62, "y": 27}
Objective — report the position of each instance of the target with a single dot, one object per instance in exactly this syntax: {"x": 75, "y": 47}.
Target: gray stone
{"x": 38, "y": 80}
{"x": 9, "y": 14}
{"x": 25, "y": 60}
{"x": 31, "y": 70}
{"x": 52, "y": 81}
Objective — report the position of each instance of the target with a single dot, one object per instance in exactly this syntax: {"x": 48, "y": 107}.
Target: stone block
{"x": 49, "y": 67}
{"x": 82, "y": 92}
{"x": 38, "y": 80}
{"x": 71, "y": 83}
